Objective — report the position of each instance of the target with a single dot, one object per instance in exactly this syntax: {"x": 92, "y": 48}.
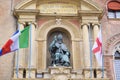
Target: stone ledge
{"x": 95, "y": 79}
{"x": 68, "y": 79}
{"x": 31, "y": 79}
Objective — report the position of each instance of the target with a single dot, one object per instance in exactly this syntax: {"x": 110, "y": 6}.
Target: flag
{"x": 18, "y": 40}
{"x": 24, "y": 38}
{"x": 11, "y": 44}
{"x": 97, "y": 48}
{"x": 0, "y": 52}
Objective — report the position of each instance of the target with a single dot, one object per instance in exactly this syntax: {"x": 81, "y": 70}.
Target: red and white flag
{"x": 97, "y": 48}
{"x": 12, "y": 44}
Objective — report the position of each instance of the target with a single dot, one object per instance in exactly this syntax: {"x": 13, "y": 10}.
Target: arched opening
{"x": 66, "y": 40}
{"x": 117, "y": 61}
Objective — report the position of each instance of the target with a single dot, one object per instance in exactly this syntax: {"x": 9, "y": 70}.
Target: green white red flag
{"x": 18, "y": 40}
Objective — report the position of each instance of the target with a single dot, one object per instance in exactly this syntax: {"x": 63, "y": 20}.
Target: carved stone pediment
{"x": 60, "y": 7}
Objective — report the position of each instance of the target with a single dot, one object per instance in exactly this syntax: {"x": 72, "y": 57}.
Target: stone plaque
{"x": 58, "y": 8}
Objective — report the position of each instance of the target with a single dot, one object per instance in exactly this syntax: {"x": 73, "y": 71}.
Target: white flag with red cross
{"x": 97, "y": 48}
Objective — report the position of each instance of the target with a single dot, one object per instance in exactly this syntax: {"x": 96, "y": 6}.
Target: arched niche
{"x": 66, "y": 40}
{"x": 45, "y": 34}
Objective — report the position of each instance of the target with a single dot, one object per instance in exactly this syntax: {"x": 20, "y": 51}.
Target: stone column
{"x": 86, "y": 46}
{"x": 33, "y": 44}
{"x": 95, "y": 34}
{"x": 95, "y": 30}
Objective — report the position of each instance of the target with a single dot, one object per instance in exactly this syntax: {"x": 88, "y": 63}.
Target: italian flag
{"x": 18, "y": 40}
{"x": 97, "y": 48}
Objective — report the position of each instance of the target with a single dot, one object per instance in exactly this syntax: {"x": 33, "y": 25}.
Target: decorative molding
{"x": 82, "y": 25}
{"x": 23, "y": 3}
{"x": 110, "y": 43}
{"x": 18, "y": 12}
{"x": 95, "y": 5}
{"x": 66, "y": 25}
{"x": 97, "y": 12}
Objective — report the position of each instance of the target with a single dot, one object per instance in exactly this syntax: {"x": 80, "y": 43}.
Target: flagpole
{"x": 30, "y": 50}
{"x": 17, "y": 60}
{"x": 90, "y": 50}
{"x": 17, "y": 63}
{"x": 102, "y": 55}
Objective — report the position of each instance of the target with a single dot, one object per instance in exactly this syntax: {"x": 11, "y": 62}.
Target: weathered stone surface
{"x": 110, "y": 29}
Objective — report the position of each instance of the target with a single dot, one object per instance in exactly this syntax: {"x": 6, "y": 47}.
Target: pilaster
{"x": 86, "y": 45}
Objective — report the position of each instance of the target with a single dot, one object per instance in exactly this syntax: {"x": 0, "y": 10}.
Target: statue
{"x": 60, "y": 55}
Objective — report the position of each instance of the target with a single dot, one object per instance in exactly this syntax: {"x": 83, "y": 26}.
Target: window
{"x": 117, "y": 69}
{"x": 113, "y": 14}
{"x": 117, "y": 61}
{"x": 117, "y": 14}
{"x": 114, "y": 9}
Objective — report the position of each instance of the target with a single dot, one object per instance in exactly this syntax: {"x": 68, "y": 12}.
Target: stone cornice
{"x": 58, "y": 14}
{"x": 18, "y": 12}
{"x": 91, "y": 13}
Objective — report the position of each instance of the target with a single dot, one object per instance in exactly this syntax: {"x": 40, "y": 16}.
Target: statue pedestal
{"x": 61, "y": 73}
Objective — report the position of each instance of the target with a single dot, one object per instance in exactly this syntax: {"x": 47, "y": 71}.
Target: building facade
{"x": 79, "y": 22}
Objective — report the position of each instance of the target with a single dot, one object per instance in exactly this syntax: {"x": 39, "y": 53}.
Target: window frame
{"x": 113, "y": 11}
{"x": 115, "y": 58}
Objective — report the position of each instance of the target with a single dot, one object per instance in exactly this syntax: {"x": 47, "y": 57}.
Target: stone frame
{"x": 42, "y": 40}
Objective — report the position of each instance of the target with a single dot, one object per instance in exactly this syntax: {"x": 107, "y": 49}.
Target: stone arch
{"x": 44, "y": 29}
{"x": 110, "y": 44}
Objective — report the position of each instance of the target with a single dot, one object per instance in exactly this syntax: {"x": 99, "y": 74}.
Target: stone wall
{"x": 8, "y": 27}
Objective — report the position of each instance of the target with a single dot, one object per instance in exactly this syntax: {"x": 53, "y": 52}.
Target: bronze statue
{"x": 60, "y": 55}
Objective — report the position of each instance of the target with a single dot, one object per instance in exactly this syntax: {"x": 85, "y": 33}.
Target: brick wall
{"x": 7, "y": 28}
{"x": 110, "y": 27}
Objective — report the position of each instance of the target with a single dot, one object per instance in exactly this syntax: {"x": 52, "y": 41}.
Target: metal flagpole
{"x": 17, "y": 58}
{"x": 102, "y": 54}
{"x": 30, "y": 40}
{"x": 17, "y": 64}
{"x": 90, "y": 50}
